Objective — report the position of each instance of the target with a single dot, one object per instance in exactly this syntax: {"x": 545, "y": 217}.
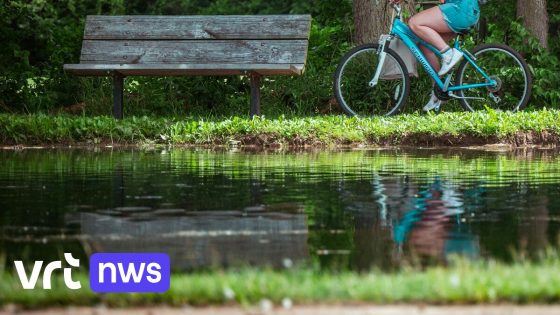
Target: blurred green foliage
{"x": 39, "y": 36}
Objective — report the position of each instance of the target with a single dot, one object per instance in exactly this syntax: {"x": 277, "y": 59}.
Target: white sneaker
{"x": 450, "y": 59}
{"x": 433, "y": 104}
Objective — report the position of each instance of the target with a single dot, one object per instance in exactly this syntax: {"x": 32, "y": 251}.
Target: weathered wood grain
{"x": 198, "y": 27}
{"x": 201, "y": 51}
{"x": 183, "y": 69}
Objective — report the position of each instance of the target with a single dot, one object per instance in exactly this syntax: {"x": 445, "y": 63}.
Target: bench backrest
{"x": 216, "y": 40}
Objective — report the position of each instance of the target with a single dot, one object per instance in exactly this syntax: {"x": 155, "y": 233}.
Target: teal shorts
{"x": 460, "y": 15}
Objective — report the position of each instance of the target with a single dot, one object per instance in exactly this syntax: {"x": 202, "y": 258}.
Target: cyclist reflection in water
{"x": 433, "y": 228}
{"x": 428, "y": 236}
{"x": 437, "y": 26}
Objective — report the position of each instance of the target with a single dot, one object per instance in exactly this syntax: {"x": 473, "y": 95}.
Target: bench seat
{"x": 183, "y": 69}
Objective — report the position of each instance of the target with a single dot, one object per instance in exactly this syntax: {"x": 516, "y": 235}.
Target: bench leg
{"x": 118, "y": 82}
{"x": 255, "y": 95}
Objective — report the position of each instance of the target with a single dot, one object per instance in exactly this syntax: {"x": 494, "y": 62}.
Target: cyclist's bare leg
{"x": 429, "y": 25}
{"x": 434, "y": 61}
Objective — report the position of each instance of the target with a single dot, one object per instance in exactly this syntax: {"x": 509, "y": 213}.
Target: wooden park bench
{"x": 255, "y": 46}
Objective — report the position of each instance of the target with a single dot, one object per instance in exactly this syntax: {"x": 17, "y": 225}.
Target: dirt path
{"x": 305, "y": 310}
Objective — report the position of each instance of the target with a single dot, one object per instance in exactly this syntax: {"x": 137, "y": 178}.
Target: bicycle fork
{"x": 384, "y": 41}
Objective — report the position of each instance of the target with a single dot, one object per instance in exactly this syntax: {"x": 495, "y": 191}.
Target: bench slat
{"x": 183, "y": 69}
{"x": 203, "y": 51}
{"x": 198, "y": 27}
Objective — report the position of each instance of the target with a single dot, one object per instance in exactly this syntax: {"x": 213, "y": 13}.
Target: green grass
{"x": 318, "y": 130}
{"x": 464, "y": 283}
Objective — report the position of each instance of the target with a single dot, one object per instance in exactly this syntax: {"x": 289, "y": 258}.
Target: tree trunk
{"x": 372, "y": 18}
{"x": 535, "y": 18}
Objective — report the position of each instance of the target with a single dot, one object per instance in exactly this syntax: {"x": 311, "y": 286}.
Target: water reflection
{"x": 357, "y": 209}
{"x": 254, "y": 236}
{"x": 434, "y": 228}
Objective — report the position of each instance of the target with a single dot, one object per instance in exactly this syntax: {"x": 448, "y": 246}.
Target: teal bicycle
{"x": 491, "y": 75}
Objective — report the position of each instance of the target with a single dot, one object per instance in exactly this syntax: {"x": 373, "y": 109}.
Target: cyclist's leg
{"x": 434, "y": 102}
{"x": 431, "y": 57}
{"x": 428, "y": 25}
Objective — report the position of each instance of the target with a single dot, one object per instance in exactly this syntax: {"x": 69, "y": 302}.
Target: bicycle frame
{"x": 402, "y": 31}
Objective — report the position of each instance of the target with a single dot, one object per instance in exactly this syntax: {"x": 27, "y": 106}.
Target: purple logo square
{"x": 129, "y": 272}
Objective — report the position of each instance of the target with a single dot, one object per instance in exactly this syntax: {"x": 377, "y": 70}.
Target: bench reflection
{"x": 254, "y": 236}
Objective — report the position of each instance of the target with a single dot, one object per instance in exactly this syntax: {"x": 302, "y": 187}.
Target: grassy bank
{"x": 462, "y": 283}
{"x": 451, "y": 129}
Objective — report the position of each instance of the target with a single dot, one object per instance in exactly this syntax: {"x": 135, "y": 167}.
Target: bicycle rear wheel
{"x": 353, "y": 75}
{"x": 502, "y": 64}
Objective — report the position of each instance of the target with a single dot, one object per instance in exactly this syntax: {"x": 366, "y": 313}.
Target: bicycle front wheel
{"x": 502, "y": 64}
{"x": 352, "y": 82}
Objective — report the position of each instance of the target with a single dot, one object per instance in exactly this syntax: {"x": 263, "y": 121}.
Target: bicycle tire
{"x": 477, "y": 51}
{"x": 347, "y": 108}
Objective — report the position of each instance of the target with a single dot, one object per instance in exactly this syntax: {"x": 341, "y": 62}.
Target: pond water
{"x": 356, "y": 210}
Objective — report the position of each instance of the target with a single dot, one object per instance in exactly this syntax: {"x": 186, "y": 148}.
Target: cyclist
{"x": 437, "y": 26}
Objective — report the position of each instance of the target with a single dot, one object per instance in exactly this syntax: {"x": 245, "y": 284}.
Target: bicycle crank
{"x": 465, "y": 97}
{"x": 441, "y": 95}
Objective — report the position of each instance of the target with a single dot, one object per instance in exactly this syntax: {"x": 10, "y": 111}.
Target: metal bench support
{"x": 255, "y": 95}
{"x": 118, "y": 82}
